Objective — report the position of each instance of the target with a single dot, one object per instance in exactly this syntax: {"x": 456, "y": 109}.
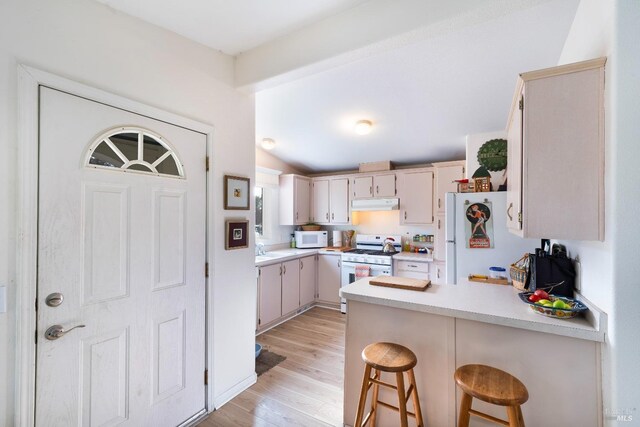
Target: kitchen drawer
{"x": 422, "y": 267}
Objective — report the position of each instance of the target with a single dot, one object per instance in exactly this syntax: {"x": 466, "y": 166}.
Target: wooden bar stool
{"x": 388, "y": 357}
{"x": 493, "y": 386}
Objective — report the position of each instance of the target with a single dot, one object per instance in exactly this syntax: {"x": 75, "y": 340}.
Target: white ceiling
{"x": 232, "y": 26}
{"x": 423, "y": 98}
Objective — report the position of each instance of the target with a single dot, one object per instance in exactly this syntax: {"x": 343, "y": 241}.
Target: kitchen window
{"x": 259, "y": 195}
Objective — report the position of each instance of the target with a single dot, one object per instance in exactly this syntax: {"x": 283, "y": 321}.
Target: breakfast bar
{"x": 448, "y": 326}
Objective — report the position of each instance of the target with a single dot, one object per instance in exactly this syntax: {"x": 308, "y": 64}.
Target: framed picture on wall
{"x": 236, "y": 193}
{"x": 236, "y": 236}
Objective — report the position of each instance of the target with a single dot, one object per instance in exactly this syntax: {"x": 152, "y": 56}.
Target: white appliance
{"x": 368, "y": 252}
{"x": 375, "y": 204}
{"x": 311, "y": 239}
{"x": 507, "y": 247}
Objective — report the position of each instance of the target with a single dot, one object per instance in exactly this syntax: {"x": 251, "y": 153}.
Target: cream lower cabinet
{"x": 416, "y": 197}
{"x": 270, "y": 293}
{"x": 285, "y": 287}
{"x": 329, "y": 279}
{"x": 411, "y": 269}
{"x": 555, "y": 134}
{"x": 290, "y": 286}
{"x": 438, "y": 272}
{"x": 308, "y": 275}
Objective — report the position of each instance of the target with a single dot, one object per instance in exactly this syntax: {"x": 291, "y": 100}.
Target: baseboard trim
{"x": 223, "y": 398}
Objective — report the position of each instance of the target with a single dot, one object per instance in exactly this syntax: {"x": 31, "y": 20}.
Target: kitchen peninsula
{"x": 449, "y": 326}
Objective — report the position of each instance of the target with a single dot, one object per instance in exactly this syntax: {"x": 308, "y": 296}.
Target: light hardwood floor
{"x": 304, "y": 390}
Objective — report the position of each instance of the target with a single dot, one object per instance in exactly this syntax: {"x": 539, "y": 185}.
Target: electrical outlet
{"x": 577, "y": 284}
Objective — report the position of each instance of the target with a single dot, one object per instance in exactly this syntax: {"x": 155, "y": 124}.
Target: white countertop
{"x": 281, "y": 255}
{"x": 496, "y": 304}
{"x": 412, "y": 256}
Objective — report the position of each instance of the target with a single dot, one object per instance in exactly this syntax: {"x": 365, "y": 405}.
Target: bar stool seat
{"x": 494, "y": 386}
{"x": 391, "y": 358}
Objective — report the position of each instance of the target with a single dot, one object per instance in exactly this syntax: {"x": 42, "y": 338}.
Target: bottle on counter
{"x": 293, "y": 241}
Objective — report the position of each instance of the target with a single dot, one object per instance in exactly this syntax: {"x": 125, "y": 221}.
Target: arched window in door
{"x": 131, "y": 149}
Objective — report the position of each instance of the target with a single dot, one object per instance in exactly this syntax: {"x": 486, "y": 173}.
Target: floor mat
{"x": 267, "y": 360}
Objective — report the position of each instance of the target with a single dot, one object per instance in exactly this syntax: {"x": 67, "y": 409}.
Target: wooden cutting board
{"x": 336, "y": 248}
{"x": 485, "y": 279}
{"x": 401, "y": 283}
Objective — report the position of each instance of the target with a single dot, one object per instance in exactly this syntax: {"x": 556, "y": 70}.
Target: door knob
{"x": 54, "y": 299}
{"x": 57, "y": 331}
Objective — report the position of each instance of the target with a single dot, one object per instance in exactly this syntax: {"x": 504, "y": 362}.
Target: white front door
{"x": 121, "y": 236}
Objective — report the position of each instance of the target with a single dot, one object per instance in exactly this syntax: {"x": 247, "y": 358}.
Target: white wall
{"x": 610, "y": 269}
{"x": 88, "y": 42}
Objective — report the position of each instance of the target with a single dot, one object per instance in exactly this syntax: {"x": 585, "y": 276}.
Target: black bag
{"x": 552, "y": 273}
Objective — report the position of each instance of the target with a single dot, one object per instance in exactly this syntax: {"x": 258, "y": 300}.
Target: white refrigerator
{"x": 472, "y": 248}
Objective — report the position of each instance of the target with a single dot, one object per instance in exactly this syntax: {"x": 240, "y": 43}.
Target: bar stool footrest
{"x": 488, "y": 417}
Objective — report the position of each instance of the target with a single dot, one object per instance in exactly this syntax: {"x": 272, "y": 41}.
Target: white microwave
{"x": 311, "y": 239}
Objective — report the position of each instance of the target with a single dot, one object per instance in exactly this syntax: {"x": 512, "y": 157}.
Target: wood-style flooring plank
{"x": 306, "y": 389}
{"x": 231, "y": 415}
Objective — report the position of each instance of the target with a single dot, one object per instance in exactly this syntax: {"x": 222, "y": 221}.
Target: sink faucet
{"x": 260, "y": 249}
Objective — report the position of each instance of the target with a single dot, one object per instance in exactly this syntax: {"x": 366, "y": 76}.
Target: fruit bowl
{"x": 559, "y": 313}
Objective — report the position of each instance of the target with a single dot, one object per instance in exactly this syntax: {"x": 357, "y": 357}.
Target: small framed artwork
{"x": 236, "y": 236}
{"x": 236, "y": 193}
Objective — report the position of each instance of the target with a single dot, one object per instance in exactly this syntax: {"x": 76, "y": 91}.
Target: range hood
{"x": 389, "y": 204}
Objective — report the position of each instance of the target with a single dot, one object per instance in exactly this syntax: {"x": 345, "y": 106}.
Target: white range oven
{"x": 368, "y": 253}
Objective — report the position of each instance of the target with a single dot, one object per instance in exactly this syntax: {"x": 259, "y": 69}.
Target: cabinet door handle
{"x": 338, "y": 263}
{"x": 412, "y": 265}
{"x": 281, "y": 270}
{"x": 327, "y": 216}
{"x": 438, "y": 202}
{"x": 438, "y": 224}
{"x": 296, "y": 215}
{"x": 438, "y": 274}
{"x": 371, "y": 190}
{"x": 405, "y": 214}
{"x": 377, "y": 190}
{"x": 284, "y": 269}
{"x": 332, "y": 216}
{"x": 509, "y": 210}
{"x": 301, "y": 265}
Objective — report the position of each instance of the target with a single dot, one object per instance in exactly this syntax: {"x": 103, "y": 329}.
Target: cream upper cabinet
{"x": 339, "y": 201}
{"x": 363, "y": 187}
{"x": 416, "y": 197}
{"x": 384, "y": 185}
{"x": 330, "y": 201}
{"x": 295, "y": 198}
{"x": 556, "y": 128}
{"x": 446, "y": 174}
{"x": 320, "y": 201}
{"x": 372, "y": 186}
{"x": 439, "y": 244}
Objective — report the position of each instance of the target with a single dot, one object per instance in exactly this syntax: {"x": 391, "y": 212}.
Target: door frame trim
{"x": 29, "y": 81}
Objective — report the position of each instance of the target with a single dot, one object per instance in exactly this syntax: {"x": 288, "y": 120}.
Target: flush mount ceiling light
{"x": 268, "y": 143}
{"x": 363, "y": 127}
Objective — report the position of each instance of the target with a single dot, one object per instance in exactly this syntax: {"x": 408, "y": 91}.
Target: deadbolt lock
{"x": 54, "y": 299}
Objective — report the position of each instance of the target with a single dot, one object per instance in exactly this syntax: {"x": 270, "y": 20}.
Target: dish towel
{"x": 362, "y": 271}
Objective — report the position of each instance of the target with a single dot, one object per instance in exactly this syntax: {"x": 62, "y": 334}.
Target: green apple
{"x": 559, "y": 304}
{"x": 543, "y": 302}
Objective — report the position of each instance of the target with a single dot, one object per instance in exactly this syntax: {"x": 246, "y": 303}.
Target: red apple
{"x": 541, "y": 294}
{"x": 534, "y": 298}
